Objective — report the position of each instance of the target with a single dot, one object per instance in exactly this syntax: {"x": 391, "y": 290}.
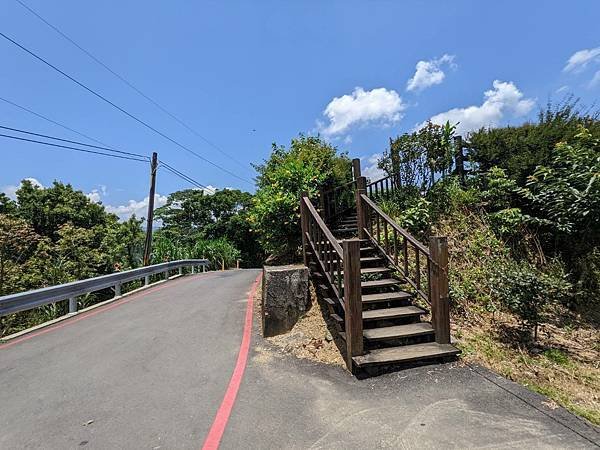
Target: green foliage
{"x": 47, "y": 209}
{"x": 191, "y": 215}
{"x": 557, "y": 356}
{"x": 55, "y": 235}
{"x": 518, "y": 150}
{"x": 529, "y": 291}
{"x": 448, "y": 196}
{"x": 415, "y": 158}
{"x": 416, "y": 217}
{"x": 217, "y": 251}
{"x": 566, "y": 194}
{"x": 308, "y": 164}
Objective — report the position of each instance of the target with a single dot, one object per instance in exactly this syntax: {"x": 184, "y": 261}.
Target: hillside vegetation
{"x": 55, "y": 235}
{"x": 524, "y": 244}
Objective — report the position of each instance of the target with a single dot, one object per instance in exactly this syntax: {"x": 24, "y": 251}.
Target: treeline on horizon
{"x": 537, "y": 182}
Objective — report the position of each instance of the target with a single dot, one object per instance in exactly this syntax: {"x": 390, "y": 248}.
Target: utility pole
{"x": 150, "y": 216}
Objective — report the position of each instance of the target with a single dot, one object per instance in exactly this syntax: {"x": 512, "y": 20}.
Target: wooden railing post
{"x": 324, "y": 202}
{"x": 352, "y": 300}
{"x": 438, "y": 288}
{"x": 304, "y": 225}
{"x": 356, "y": 168}
{"x": 361, "y": 210}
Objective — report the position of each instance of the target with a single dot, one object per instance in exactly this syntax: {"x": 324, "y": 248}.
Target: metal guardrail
{"x": 23, "y": 301}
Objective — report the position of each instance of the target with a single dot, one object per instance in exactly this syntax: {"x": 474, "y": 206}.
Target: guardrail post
{"x": 352, "y": 300}
{"x": 304, "y": 226}
{"x": 181, "y": 271}
{"x": 361, "y": 211}
{"x": 166, "y": 274}
{"x": 118, "y": 290}
{"x": 438, "y": 288}
{"x": 146, "y": 280}
{"x": 193, "y": 269}
{"x": 73, "y": 305}
{"x": 204, "y": 268}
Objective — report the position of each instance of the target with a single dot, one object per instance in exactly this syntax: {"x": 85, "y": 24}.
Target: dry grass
{"x": 312, "y": 337}
{"x": 564, "y": 364}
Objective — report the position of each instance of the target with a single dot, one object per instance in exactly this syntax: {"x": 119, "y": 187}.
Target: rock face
{"x": 284, "y": 298}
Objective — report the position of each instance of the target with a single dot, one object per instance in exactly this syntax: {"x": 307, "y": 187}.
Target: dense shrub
{"x": 308, "y": 164}
{"x": 519, "y": 150}
{"x": 530, "y": 292}
{"x": 192, "y": 215}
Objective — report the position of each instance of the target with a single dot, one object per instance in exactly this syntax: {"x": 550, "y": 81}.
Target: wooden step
{"x": 393, "y": 313}
{"x": 363, "y": 249}
{"x": 386, "y": 297}
{"x": 373, "y": 270}
{"x": 345, "y": 230}
{"x": 337, "y": 318}
{"x": 329, "y": 301}
{"x": 406, "y": 353}
{"x": 387, "y": 282}
{"x": 398, "y": 331}
{"x": 366, "y": 259}
{"x": 339, "y": 241}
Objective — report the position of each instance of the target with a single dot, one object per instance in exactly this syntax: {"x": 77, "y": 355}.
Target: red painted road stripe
{"x": 218, "y": 427}
{"x": 91, "y": 313}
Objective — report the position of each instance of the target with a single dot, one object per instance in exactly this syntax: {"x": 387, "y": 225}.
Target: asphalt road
{"x": 151, "y": 372}
{"x": 147, "y": 374}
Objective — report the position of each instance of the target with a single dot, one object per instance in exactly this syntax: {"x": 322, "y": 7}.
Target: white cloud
{"x": 371, "y": 171}
{"x": 139, "y": 208}
{"x": 579, "y": 60}
{"x": 11, "y": 190}
{"x": 562, "y": 89}
{"x": 361, "y": 107}
{"x": 429, "y": 73}
{"x": 348, "y": 140}
{"x": 94, "y": 196}
{"x": 503, "y": 100}
{"x": 595, "y": 81}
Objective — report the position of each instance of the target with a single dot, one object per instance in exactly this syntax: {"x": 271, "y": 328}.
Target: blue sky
{"x": 246, "y": 74}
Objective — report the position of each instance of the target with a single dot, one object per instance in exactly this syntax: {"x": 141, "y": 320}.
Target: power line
{"x": 128, "y": 83}
{"x": 184, "y": 176}
{"x": 74, "y": 142}
{"x": 72, "y": 148}
{"x": 100, "y": 96}
{"x": 41, "y": 116}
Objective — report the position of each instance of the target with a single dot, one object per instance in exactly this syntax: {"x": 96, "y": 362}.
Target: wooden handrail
{"x": 325, "y": 247}
{"x": 394, "y": 225}
{"x": 393, "y": 242}
{"x": 336, "y": 246}
{"x": 383, "y": 186}
{"x": 340, "y": 265}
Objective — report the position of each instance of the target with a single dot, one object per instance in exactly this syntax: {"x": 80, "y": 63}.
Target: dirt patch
{"x": 313, "y": 337}
{"x": 564, "y": 364}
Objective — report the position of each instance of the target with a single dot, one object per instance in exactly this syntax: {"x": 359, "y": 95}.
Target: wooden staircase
{"x": 393, "y": 328}
{"x": 372, "y": 275}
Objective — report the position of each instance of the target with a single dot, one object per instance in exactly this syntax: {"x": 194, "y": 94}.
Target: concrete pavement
{"x": 151, "y": 374}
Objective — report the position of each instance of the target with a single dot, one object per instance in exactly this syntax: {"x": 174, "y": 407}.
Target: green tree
{"x": 275, "y": 216}
{"x": 47, "y": 209}
{"x": 191, "y": 215}
{"x": 519, "y": 150}
{"x": 18, "y": 241}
